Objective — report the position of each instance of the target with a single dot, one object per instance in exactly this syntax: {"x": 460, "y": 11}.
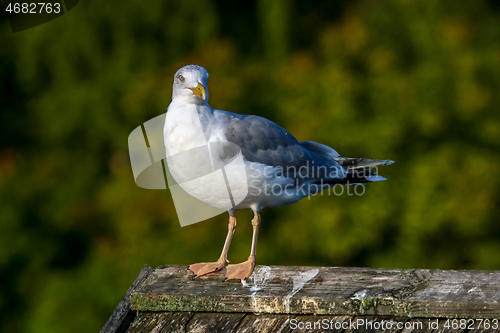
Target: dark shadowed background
{"x": 416, "y": 82}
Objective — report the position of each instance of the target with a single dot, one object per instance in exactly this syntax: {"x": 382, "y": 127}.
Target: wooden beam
{"x": 326, "y": 291}
{"x": 211, "y": 322}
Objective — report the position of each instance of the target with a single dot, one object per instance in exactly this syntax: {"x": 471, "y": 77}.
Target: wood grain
{"x": 326, "y": 290}
{"x": 182, "y": 322}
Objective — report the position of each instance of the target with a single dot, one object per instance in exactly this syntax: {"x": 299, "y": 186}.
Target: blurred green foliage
{"x": 416, "y": 82}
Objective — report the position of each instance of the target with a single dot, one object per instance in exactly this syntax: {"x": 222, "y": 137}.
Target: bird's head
{"x": 190, "y": 85}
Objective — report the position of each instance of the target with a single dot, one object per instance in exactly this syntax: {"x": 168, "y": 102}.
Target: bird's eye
{"x": 181, "y": 77}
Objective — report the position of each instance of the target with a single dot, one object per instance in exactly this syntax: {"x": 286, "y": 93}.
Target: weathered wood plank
{"x": 480, "y": 328}
{"x": 305, "y": 324}
{"x": 265, "y": 323}
{"x": 177, "y": 323}
{"x": 461, "y": 325}
{"x": 443, "y": 329}
{"x": 181, "y": 322}
{"x": 150, "y": 322}
{"x": 371, "y": 324}
{"x": 122, "y": 316}
{"x": 160, "y": 322}
{"x": 327, "y": 290}
{"x": 214, "y": 322}
{"x": 418, "y": 325}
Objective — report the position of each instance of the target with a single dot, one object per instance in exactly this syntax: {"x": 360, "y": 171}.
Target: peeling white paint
{"x": 298, "y": 283}
{"x": 260, "y": 278}
{"x": 255, "y": 288}
{"x": 360, "y": 295}
{"x": 478, "y": 292}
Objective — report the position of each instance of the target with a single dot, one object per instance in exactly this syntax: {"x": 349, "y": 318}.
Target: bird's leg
{"x": 205, "y": 268}
{"x": 245, "y": 269}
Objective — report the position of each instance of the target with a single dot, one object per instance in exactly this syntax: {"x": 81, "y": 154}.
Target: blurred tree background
{"x": 416, "y": 82}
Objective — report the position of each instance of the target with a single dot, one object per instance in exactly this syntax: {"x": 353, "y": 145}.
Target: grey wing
{"x": 262, "y": 141}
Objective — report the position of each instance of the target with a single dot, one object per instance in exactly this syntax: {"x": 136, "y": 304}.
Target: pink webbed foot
{"x": 240, "y": 271}
{"x": 204, "y": 268}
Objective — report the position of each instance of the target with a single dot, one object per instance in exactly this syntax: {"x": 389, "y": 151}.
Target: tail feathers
{"x": 375, "y": 178}
{"x": 358, "y": 171}
{"x": 360, "y": 163}
{"x": 353, "y": 177}
{"x": 320, "y": 149}
{"x": 348, "y": 163}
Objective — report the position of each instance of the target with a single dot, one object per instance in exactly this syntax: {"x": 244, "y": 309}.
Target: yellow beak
{"x": 199, "y": 91}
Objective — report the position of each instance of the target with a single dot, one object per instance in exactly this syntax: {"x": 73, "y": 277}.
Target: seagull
{"x": 279, "y": 169}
